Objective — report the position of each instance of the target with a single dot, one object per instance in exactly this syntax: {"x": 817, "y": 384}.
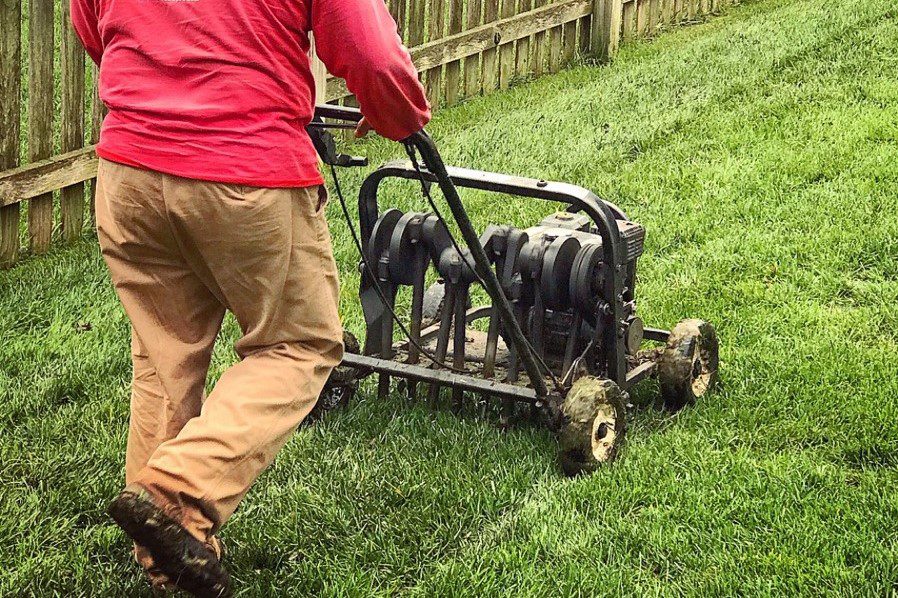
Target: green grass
{"x": 760, "y": 152}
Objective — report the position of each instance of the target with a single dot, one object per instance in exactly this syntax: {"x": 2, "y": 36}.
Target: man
{"x": 209, "y": 198}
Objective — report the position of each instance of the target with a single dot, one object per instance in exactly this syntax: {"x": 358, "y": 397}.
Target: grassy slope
{"x": 759, "y": 151}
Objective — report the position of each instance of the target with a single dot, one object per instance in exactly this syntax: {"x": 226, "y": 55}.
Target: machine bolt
{"x": 541, "y": 183}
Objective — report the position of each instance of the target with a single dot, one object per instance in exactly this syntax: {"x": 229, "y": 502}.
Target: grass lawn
{"x": 761, "y": 152}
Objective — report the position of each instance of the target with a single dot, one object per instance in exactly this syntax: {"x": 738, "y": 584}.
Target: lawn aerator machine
{"x": 561, "y": 333}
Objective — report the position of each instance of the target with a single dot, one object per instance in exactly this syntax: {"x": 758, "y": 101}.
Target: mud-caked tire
{"x": 687, "y": 368}
{"x": 595, "y": 419}
{"x": 341, "y": 386}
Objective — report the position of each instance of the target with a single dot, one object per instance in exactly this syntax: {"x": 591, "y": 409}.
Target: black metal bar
{"x": 443, "y": 377}
{"x": 458, "y": 344}
{"x": 640, "y": 373}
{"x": 492, "y": 344}
{"x": 538, "y": 324}
{"x": 513, "y": 367}
{"x": 386, "y": 344}
{"x": 443, "y": 337}
{"x": 338, "y": 112}
{"x": 573, "y": 341}
{"x": 421, "y": 261}
{"x": 656, "y": 334}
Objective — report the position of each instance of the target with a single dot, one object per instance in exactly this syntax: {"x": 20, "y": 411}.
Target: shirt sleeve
{"x": 85, "y": 22}
{"x": 357, "y": 40}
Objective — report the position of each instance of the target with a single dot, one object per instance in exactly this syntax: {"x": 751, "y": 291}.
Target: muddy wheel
{"x": 434, "y": 298}
{"x": 595, "y": 415}
{"x": 341, "y": 386}
{"x": 687, "y": 369}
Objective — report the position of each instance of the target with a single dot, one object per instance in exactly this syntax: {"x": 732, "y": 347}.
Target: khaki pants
{"x": 181, "y": 252}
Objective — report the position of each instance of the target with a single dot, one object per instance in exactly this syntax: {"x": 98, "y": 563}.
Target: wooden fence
{"x": 462, "y": 48}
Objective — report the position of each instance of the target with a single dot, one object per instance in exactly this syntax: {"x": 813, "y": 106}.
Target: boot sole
{"x": 184, "y": 559}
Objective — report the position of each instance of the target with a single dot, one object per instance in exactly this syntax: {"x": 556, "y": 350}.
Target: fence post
{"x": 10, "y": 107}
{"x": 606, "y": 27}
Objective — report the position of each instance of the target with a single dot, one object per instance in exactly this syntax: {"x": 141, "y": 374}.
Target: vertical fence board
{"x": 522, "y": 68}
{"x": 540, "y": 46}
{"x": 585, "y": 32}
{"x": 641, "y": 17}
{"x": 399, "y": 15}
{"x": 555, "y": 49}
{"x": 453, "y": 69}
{"x": 490, "y": 68}
{"x": 629, "y": 21}
{"x": 569, "y": 42}
{"x": 552, "y": 47}
{"x": 10, "y": 115}
{"x": 607, "y": 27}
{"x": 437, "y": 31}
{"x": 473, "y": 18}
{"x": 506, "y": 51}
{"x": 415, "y": 35}
{"x": 40, "y": 116}
{"x": 71, "y": 199}
{"x": 652, "y": 16}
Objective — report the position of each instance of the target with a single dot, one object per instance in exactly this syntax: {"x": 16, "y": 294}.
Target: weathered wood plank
{"x": 569, "y": 42}
{"x": 415, "y": 34}
{"x": 642, "y": 17}
{"x": 40, "y": 116}
{"x": 434, "y": 80}
{"x": 473, "y": 19}
{"x": 540, "y": 45}
{"x": 554, "y": 49}
{"x": 655, "y": 17}
{"x": 666, "y": 12}
{"x": 37, "y": 178}
{"x": 506, "y": 50}
{"x": 10, "y": 119}
{"x": 71, "y": 115}
{"x": 607, "y": 26}
{"x": 461, "y": 45}
{"x": 522, "y": 68}
{"x": 398, "y": 10}
{"x": 453, "y": 68}
{"x": 629, "y": 22}
{"x": 585, "y": 34}
{"x": 489, "y": 70}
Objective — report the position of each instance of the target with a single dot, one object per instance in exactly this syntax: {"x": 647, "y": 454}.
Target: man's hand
{"x": 363, "y": 128}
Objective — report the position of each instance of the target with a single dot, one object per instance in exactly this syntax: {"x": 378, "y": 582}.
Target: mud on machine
{"x": 560, "y": 331}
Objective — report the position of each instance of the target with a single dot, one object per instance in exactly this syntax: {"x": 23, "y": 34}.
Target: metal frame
{"x": 577, "y": 199}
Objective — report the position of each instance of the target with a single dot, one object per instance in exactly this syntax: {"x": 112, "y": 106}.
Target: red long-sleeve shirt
{"x": 222, "y": 90}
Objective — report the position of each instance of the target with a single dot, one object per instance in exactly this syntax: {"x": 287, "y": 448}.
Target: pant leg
{"x": 155, "y": 416}
{"x": 174, "y": 317}
{"x": 266, "y": 254}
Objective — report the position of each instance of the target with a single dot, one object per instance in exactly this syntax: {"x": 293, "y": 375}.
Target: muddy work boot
{"x": 188, "y": 562}
{"x": 158, "y": 580}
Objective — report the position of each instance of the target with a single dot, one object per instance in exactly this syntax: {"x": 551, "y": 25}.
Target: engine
{"x": 553, "y": 273}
